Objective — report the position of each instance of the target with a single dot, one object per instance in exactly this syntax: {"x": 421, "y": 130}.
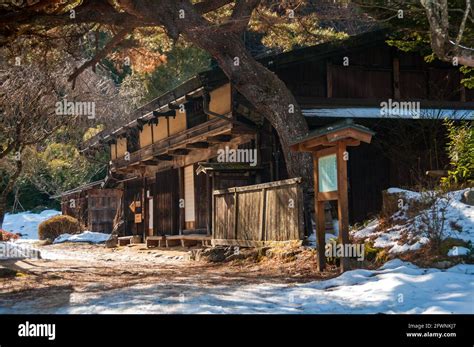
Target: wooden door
{"x": 102, "y": 207}
{"x": 202, "y": 200}
{"x": 166, "y": 203}
{"x": 189, "y": 202}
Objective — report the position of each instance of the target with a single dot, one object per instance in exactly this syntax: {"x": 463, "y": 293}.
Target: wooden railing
{"x": 195, "y": 134}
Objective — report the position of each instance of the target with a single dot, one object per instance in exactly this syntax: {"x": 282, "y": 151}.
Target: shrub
{"x": 433, "y": 219}
{"x": 7, "y": 236}
{"x": 57, "y": 225}
{"x": 461, "y": 154}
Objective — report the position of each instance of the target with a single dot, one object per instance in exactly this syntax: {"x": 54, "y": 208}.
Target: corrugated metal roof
{"x": 378, "y": 112}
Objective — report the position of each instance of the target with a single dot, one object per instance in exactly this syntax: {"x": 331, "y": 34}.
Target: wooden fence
{"x": 257, "y": 215}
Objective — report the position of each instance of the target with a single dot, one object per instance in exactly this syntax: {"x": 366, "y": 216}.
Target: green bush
{"x": 461, "y": 154}
{"x": 58, "y": 225}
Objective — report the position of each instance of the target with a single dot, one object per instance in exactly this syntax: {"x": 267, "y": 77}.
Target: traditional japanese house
{"x": 166, "y": 159}
{"x": 92, "y": 205}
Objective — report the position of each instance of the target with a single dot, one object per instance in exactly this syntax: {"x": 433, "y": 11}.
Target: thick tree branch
{"x": 445, "y": 48}
{"x": 241, "y": 15}
{"x": 103, "y": 53}
{"x": 12, "y": 180}
{"x": 204, "y": 7}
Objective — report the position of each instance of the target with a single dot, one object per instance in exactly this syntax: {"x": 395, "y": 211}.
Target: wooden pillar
{"x": 144, "y": 210}
{"x": 342, "y": 203}
{"x": 319, "y": 215}
{"x": 209, "y": 204}
{"x": 213, "y": 187}
{"x": 180, "y": 196}
{"x": 396, "y": 78}
{"x": 236, "y": 213}
{"x": 329, "y": 79}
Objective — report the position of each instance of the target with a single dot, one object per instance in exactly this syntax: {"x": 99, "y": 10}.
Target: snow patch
{"x": 458, "y": 224}
{"x": 458, "y": 251}
{"x": 396, "y": 287}
{"x": 26, "y": 223}
{"x": 86, "y": 236}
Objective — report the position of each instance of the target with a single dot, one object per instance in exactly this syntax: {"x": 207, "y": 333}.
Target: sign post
{"x": 329, "y": 149}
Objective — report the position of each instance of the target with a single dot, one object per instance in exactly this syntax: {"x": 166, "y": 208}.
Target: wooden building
{"x": 166, "y": 160}
{"x": 93, "y": 206}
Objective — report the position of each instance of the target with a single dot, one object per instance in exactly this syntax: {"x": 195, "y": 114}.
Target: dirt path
{"x": 72, "y": 277}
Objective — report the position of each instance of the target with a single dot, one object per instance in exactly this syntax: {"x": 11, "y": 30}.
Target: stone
{"x": 217, "y": 255}
{"x": 7, "y": 273}
{"x": 112, "y": 242}
{"x": 468, "y": 197}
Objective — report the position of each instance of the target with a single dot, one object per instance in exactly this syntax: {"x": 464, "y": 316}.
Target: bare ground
{"x": 89, "y": 269}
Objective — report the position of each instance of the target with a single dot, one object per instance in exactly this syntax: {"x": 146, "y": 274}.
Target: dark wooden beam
{"x": 198, "y": 145}
{"x": 150, "y": 162}
{"x": 219, "y": 138}
{"x": 164, "y": 157}
{"x": 238, "y": 130}
{"x": 179, "y": 151}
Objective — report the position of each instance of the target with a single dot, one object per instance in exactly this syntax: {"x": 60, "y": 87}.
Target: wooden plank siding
{"x": 370, "y": 73}
{"x": 258, "y": 214}
{"x": 102, "y": 207}
{"x": 133, "y": 190}
{"x": 166, "y": 201}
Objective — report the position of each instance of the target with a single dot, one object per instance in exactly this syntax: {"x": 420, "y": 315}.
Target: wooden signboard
{"x": 138, "y": 218}
{"x": 328, "y": 146}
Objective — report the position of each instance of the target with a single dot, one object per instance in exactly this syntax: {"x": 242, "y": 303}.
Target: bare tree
{"x": 32, "y": 100}
{"x": 222, "y": 38}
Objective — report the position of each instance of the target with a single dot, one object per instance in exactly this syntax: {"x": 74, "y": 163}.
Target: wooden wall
{"x": 113, "y": 151}
{"x": 177, "y": 123}
{"x": 160, "y": 130}
{"x": 133, "y": 191}
{"x": 221, "y": 100}
{"x": 370, "y": 74}
{"x": 146, "y": 135}
{"x": 76, "y": 208}
{"x": 258, "y": 214}
{"x": 121, "y": 147}
{"x": 202, "y": 196}
{"x": 102, "y": 207}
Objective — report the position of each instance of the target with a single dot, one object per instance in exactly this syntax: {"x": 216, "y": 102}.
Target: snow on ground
{"x": 457, "y": 251}
{"x": 94, "y": 252}
{"x": 459, "y": 223}
{"x": 311, "y": 240}
{"x": 397, "y": 287}
{"x": 86, "y": 236}
{"x": 27, "y": 223}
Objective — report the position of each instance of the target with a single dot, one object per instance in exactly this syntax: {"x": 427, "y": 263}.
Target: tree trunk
{"x": 266, "y": 92}
{"x": 3, "y": 210}
{"x": 9, "y": 187}
{"x": 261, "y": 87}
{"x": 271, "y": 98}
